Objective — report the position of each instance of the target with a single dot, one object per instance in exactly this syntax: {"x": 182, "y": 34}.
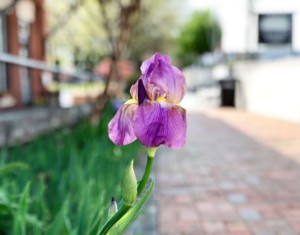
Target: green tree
{"x": 201, "y": 34}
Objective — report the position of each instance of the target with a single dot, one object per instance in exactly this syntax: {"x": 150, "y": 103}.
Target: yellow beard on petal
{"x": 131, "y": 101}
{"x": 161, "y": 100}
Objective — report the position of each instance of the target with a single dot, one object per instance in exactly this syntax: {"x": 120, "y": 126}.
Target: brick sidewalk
{"x": 239, "y": 174}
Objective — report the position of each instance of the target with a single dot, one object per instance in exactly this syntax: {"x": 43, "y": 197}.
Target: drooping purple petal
{"x": 120, "y": 128}
{"x": 161, "y": 79}
{"x": 157, "y": 124}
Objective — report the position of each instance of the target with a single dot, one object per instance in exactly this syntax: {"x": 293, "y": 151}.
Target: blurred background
{"x": 60, "y": 52}
{"x": 66, "y": 66}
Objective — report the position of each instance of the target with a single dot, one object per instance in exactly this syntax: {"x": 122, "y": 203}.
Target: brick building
{"x": 22, "y": 34}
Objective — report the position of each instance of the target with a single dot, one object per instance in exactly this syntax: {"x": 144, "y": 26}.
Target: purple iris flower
{"x": 153, "y": 115}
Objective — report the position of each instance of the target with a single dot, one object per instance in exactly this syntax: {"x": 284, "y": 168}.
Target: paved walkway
{"x": 239, "y": 174}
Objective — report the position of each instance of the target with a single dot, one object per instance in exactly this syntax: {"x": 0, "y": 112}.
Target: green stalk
{"x": 146, "y": 175}
{"x": 114, "y": 219}
{"x": 125, "y": 207}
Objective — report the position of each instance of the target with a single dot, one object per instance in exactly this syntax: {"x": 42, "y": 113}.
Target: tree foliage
{"x": 83, "y": 40}
{"x": 156, "y": 28}
{"x": 79, "y": 37}
{"x": 201, "y": 34}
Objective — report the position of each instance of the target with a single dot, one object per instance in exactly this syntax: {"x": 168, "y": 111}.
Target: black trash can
{"x": 227, "y": 96}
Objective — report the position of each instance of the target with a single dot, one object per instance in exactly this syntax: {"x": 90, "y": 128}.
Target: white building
{"x": 271, "y": 30}
{"x": 247, "y": 24}
{"x": 264, "y": 27}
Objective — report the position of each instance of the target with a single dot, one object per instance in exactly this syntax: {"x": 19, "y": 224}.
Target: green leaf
{"x": 82, "y": 218}
{"x": 5, "y": 209}
{"x": 59, "y": 225}
{"x": 131, "y": 215}
{"x": 19, "y": 227}
{"x": 12, "y": 167}
{"x": 34, "y": 221}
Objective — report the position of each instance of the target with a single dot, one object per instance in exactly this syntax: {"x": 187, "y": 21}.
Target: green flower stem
{"x": 125, "y": 207}
{"x": 146, "y": 175}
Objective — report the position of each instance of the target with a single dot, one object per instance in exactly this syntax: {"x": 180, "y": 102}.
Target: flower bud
{"x": 113, "y": 209}
{"x": 129, "y": 185}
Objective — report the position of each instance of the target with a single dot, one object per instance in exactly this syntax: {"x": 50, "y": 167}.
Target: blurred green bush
{"x": 201, "y": 34}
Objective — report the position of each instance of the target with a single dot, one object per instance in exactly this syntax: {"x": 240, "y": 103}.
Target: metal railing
{"x": 25, "y": 67}
{"x": 40, "y": 65}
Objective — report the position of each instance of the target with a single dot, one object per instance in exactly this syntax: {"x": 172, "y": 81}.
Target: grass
{"x": 73, "y": 173}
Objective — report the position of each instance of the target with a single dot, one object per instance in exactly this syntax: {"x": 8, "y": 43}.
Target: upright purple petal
{"x": 142, "y": 94}
{"x": 179, "y": 87}
{"x": 134, "y": 90}
{"x": 157, "y": 124}
{"x": 153, "y": 59}
{"x": 120, "y": 128}
{"x": 161, "y": 79}
{"x": 138, "y": 91}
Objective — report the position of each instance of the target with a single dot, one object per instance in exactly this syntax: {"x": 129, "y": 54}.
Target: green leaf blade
{"x": 130, "y": 216}
{"x": 9, "y": 168}
{"x": 19, "y": 226}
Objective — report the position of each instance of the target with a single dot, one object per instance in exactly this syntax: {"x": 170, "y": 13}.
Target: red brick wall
{"x": 13, "y": 48}
{"x": 36, "y": 51}
{"x": 37, "y": 47}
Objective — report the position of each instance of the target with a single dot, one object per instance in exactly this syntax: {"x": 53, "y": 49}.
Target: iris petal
{"x": 120, "y": 128}
{"x": 142, "y": 94}
{"x": 134, "y": 90}
{"x": 153, "y": 59}
{"x": 161, "y": 79}
{"x": 157, "y": 124}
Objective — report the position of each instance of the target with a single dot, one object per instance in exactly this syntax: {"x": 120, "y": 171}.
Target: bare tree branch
{"x": 118, "y": 44}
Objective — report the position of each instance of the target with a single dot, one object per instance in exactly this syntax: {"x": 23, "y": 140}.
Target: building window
{"x": 275, "y": 29}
